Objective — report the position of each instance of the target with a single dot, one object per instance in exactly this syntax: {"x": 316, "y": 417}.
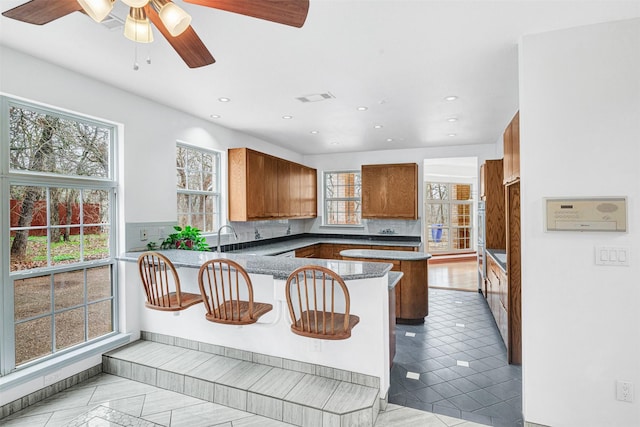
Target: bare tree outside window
{"x": 197, "y": 174}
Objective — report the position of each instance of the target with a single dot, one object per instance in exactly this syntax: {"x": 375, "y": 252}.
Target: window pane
{"x": 31, "y": 253}
{"x": 64, "y": 207}
{"x": 197, "y": 221}
{"x": 100, "y": 319}
{"x": 32, "y": 297}
{"x": 183, "y": 203}
{"x": 194, "y": 180}
{"x": 69, "y": 328}
{"x": 437, "y": 213}
{"x": 45, "y": 142}
{"x": 208, "y": 183}
{"x": 98, "y": 283}
{"x": 461, "y": 192}
{"x": 33, "y": 339}
{"x": 437, "y": 191}
{"x": 96, "y": 246}
{"x": 68, "y": 289}
{"x": 28, "y": 209}
{"x": 95, "y": 209}
{"x": 67, "y": 249}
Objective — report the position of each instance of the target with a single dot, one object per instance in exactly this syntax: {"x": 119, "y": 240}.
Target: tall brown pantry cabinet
{"x": 512, "y": 210}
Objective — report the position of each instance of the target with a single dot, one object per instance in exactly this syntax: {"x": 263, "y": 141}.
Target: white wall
{"x": 580, "y": 136}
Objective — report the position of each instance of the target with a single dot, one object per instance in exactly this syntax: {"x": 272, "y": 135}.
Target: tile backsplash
{"x": 258, "y": 230}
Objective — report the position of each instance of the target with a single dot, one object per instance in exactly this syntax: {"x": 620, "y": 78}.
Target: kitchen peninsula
{"x": 271, "y": 337}
{"x": 412, "y": 292}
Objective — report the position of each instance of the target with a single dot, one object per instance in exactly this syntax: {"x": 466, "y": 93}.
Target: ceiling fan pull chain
{"x": 149, "y": 54}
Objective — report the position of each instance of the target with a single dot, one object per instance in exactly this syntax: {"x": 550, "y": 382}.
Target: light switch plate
{"x": 614, "y": 256}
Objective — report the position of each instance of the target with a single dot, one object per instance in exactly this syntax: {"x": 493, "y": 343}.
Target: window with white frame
{"x": 59, "y": 234}
{"x": 198, "y": 178}
{"x": 342, "y": 200}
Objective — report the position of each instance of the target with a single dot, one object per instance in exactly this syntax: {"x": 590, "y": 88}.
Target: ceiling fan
{"x": 173, "y": 22}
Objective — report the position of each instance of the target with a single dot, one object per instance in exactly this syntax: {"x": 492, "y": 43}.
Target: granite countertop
{"x": 394, "y": 278}
{"x": 392, "y": 255}
{"x": 278, "y": 267}
{"x": 499, "y": 256}
{"x": 299, "y": 243}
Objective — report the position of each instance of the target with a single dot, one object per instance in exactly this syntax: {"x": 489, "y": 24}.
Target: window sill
{"x": 23, "y": 375}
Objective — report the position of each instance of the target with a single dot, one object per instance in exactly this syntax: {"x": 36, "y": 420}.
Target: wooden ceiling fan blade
{"x": 188, "y": 45}
{"x": 41, "y": 12}
{"x": 287, "y": 12}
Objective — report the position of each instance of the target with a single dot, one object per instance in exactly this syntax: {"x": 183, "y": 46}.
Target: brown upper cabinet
{"x": 267, "y": 187}
{"x": 511, "y": 140}
{"x": 492, "y": 192}
{"x": 390, "y": 191}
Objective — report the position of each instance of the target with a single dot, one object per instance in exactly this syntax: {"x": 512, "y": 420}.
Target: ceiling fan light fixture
{"x": 173, "y": 17}
{"x": 97, "y": 9}
{"x": 137, "y": 26}
{"x": 135, "y": 3}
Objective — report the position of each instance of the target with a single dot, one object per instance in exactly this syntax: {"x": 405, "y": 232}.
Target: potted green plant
{"x": 188, "y": 238}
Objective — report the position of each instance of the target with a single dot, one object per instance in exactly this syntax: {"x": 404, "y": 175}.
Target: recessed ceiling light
{"x": 223, "y": 99}
{"x": 335, "y": 143}
{"x": 215, "y": 116}
{"x": 315, "y": 132}
{"x": 389, "y": 139}
{"x": 452, "y": 134}
{"x": 287, "y": 117}
{"x": 362, "y": 108}
{"x": 451, "y": 98}
{"x": 452, "y": 119}
{"x": 378, "y": 127}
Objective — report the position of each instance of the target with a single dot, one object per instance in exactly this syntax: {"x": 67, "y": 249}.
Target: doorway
{"x": 450, "y": 203}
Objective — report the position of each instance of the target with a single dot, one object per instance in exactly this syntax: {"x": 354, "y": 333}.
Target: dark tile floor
{"x": 456, "y": 363}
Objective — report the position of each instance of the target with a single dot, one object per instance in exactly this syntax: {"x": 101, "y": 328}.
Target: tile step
{"x": 289, "y": 396}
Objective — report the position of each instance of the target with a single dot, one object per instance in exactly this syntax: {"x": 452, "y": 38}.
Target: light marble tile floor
{"x": 111, "y": 401}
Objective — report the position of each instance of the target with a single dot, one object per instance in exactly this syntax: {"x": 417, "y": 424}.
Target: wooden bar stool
{"x": 313, "y": 292}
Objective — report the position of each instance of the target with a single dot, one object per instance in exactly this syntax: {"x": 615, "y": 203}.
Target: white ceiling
{"x": 399, "y": 58}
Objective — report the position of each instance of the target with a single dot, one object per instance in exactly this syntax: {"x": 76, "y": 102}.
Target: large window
{"x": 448, "y": 214}
{"x": 342, "y": 203}
{"x": 198, "y": 173}
{"x": 59, "y": 234}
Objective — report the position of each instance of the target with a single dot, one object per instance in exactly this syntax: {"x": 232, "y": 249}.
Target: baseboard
{"x": 48, "y": 391}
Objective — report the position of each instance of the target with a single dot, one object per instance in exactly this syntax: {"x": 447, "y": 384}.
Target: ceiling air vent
{"x": 315, "y": 97}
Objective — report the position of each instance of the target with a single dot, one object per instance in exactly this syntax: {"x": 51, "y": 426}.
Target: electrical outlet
{"x": 624, "y": 391}
{"x": 143, "y": 235}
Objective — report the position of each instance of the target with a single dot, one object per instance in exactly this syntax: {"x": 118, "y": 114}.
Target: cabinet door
{"x": 390, "y": 191}
{"x": 515, "y": 147}
{"x": 307, "y": 252}
{"x": 270, "y": 184}
{"x": 295, "y": 190}
{"x": 511, "y": 139}
{"x": 255, "y": 185}
{"x": 284, "y": 201}
{"x": 308, "y": 193}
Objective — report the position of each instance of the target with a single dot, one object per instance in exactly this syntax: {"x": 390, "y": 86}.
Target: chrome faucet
{"x": 219, "y": 230}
